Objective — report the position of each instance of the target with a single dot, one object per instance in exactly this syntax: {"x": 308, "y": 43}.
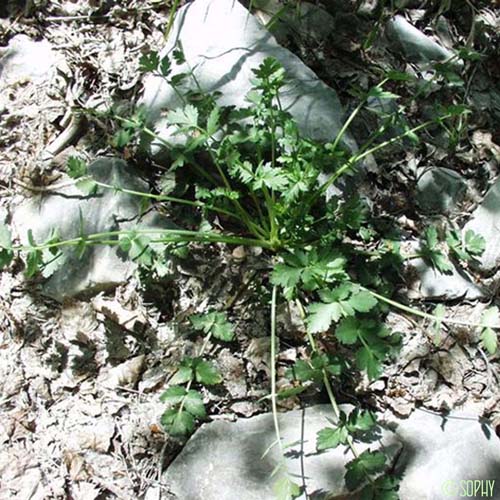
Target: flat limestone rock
{"x": 439, "y": 190}
{"x": 416, "y": 46}
{"x": 223, "y": 460}
{"x": 25, "y": 60}
{"x": 486, "y": 222}
{"x": 435, "y": 285}
{"x": 222, "y": 43}
{"x": 442, "y": 455}
{"x": 70, "y": 212}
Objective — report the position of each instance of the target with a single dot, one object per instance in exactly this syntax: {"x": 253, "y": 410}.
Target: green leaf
{"x": 149, "y": 62}
{"x": 193, "y": 403}
{"x": 330, "y": 437}
{"x": 207, "y": 373}
{"x": 76, "y": 167}
{"x": 213, "y": 121}
{"x": 347, "y": 331}
{"x": 173, "y": 395}
{"x": 465, "y": 247}
{"x": 489, "y": 339}
{"x": 363, "y": 301}
{"x": 368, "y": 463}
{"x": 183, "y": 374}
{"x": 361, "y": 421}
{"x": 215, "y": 322}
{"x": 51, "y": 262}
{"x": 304, "y": 371}
{"x": 431, "y": 252}
{"x": 285, "y": 276}
{"x": 475, "y": 243}
{"x": 490, "y": 318}
{"x": 165, "y": 66}
{"x": 366, "y": 360}
{"x": 187, "y": 117}
{"x": 122, "y": 138}
{"x": 285, "y": 489}
{"x": 86, "y": 185}
{"x": 178, "y": 423}
{"x": 321, "y": 316}
{"x": 6, "y": 254}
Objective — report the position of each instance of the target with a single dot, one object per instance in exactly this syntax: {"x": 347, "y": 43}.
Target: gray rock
{"x": 223, "y": 460}
{"x": 70, "y": 212}
{"x": 222, "y": 43}
{"x": 486, "y": 222}
{"x": 435, "y": 285}
{"x": 24, "y": 60}
{"x": 439, "y": 190}
{"x": 440, "y": 453}
{"x": 416, "y": 46}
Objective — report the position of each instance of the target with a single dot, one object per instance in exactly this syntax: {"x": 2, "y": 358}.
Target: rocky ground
{"x": 85, "y": 355}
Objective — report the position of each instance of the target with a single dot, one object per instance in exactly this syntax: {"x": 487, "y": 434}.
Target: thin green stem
{"x": 161, "y": 197}
{"x": 171, "y": 18}
{"x": 273, "y": 368}
{"x": 422, "y": 314}
{"x": 174, "y": 236}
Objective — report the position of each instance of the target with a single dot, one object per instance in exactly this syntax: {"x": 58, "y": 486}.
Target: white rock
{"x": 24, "y": 60}
{"x": 486, "y": 222}
{"x": 222, "y": 43}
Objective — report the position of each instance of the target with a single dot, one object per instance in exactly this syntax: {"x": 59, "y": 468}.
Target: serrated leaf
{"x": 368, "y": 463}
{"x": 285, "y": 276}
{"x": 86, "y": 185}
{"x": 165, "y": 66}
{"x": 363, "y": 301}
{"x": 366, "y": 360}
{"x": 173, "y": 395}
{"x": 193, "y": 403}
{"x": 322, "y": 315}
{"x": 213, "y": 121}
{"x": 178, "y": 423}
{"x": 361, "y": 421}
{"x": 330, "y": 437}
{"x": 207, "y": 373}
{"x": 475, "y": 243}
{"x": 51, "y": 262}
{"x": 186, "y": 117}
{"x": 182, "y": 375}
{"x": 215, "y": 322}
{"x": 122, "y": 138}
{"x": 149, "y": 62}
{"x": 347, "y": 331}
{"x": 76, "y": 167}
{"x": 490, "y": 317}
{"x": 285, "y": 489}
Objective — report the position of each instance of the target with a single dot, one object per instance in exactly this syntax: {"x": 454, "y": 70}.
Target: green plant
{"x": 267, "y": 185}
